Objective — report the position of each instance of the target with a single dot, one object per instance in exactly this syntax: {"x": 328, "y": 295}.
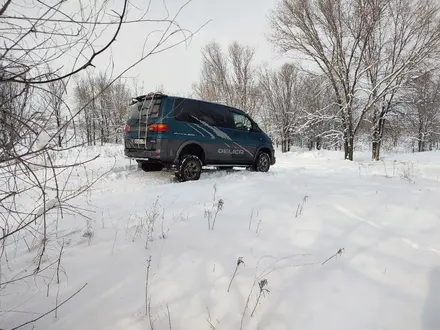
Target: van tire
{"x": 190, "y": 168}
{"x": 262, "y": 162}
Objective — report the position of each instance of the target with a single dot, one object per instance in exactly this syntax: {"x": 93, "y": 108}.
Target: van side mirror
{"x": 255, "y": 128}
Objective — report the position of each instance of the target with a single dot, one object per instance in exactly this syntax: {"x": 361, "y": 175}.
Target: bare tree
{"x": 320, "y": 124}
{"x": 230, "y": 78}
{"x": 38, "y": 57}
{"x": 244, "y": 82}
{"x": 117, "y": 96}
{"x": 423, "y": 109}
{"x": 13, "y": 106}
{"x": 214, "y": 82}
{"x": 56, "y": 107}
{"x": 406, "y": 39}
{"x": 281, "y": 91}
{"x": 297, "y": 108}
{"x": 329, "y": 33}
{"x": 103, "y": 118}
{"x": 365, "y": 48}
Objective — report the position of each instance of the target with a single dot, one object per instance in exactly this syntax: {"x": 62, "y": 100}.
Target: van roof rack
{"x": 139, "y": 98}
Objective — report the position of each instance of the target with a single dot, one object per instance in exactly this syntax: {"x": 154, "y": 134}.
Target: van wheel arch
{"x": 263, "y": 149}
{"x": 191, "y": 148}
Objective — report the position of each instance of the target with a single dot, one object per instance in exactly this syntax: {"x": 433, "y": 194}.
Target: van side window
{"x": 215, "y": 115}
{"x": 193, "y": 111}
{"x": 186, "y": 110}
{"x": 241, "y": 122}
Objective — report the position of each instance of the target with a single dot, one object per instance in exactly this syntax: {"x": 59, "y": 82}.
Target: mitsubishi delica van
{"x": 186, "y": 134}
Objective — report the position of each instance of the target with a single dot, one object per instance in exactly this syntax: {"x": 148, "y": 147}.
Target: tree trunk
{"x": 88, "y": 134}
{"x": 376, "y": 151}
{"x": 378, "y": 129}
{"x": 285, "y": 144}
{"x": 102, "y": 134}
{"x": 94, "y": 132}
{"x": 318, "y": 143}
{"x": 348, "y": 142}
{"x": 421, "y": 142}
{"x": 58, "y": 128}
{"x": 349, "y": 148}
{"x": 375, "y": 148}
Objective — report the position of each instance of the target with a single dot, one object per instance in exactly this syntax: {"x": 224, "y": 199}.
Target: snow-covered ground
{"x": 342, "y": 245}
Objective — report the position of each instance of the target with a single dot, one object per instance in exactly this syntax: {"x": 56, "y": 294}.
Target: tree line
{"x": 369, "y": 70}
{"x": 368, "y": 74}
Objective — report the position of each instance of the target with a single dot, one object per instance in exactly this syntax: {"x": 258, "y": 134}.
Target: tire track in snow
{"x": 412, "y": 244}
{"x": 417, "y": 246}
{"x": 350, "y": 214}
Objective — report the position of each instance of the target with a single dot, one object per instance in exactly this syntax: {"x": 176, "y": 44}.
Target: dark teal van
{"x": 186, "y": 134}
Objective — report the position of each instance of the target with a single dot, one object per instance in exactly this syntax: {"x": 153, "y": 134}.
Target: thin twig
{"x": 59, "y": 262}
{"x": 262, "y": 284}
{"x": 340, "y": 251}
{"x": 246, "y": 306}
{"x": 147, "y": 307}
{"x": 150, "y": 317}
{"x": 239, "y": 262}
{"x": 250, "y": 219}
{"x": 169, "y": 317}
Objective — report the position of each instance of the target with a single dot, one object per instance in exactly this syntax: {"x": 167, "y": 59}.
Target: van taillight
{"x": 158, "y": 128}
{"x": 127, "y": 128}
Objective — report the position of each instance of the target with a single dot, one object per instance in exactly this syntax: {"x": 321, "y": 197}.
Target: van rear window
{"x": 145, "y": 108}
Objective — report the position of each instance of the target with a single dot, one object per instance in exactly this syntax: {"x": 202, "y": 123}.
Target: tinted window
{"x": 241, "y": 122}
{"x": 215, "y": 115}
{"x": 145, "y": 108}
{"x": 194, "y": 111}
{"x": 186, "y": 110}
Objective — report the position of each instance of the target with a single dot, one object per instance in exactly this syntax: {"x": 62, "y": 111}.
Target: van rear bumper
{"x": 141, "y": 155}
{"x": 156, "y": 153}
{"x": 148, "y": 152}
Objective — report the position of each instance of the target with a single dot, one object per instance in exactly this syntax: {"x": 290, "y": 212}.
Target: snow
{"x": 47, "y": 207}
{"x": 42, "y": 140}
{"x": 383, "y": 218}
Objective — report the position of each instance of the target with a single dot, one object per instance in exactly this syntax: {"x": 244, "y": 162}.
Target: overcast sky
{"x": 242, "y": 20}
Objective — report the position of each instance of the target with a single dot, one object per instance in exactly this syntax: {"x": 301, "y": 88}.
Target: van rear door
{"x": 144, "y": 112}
